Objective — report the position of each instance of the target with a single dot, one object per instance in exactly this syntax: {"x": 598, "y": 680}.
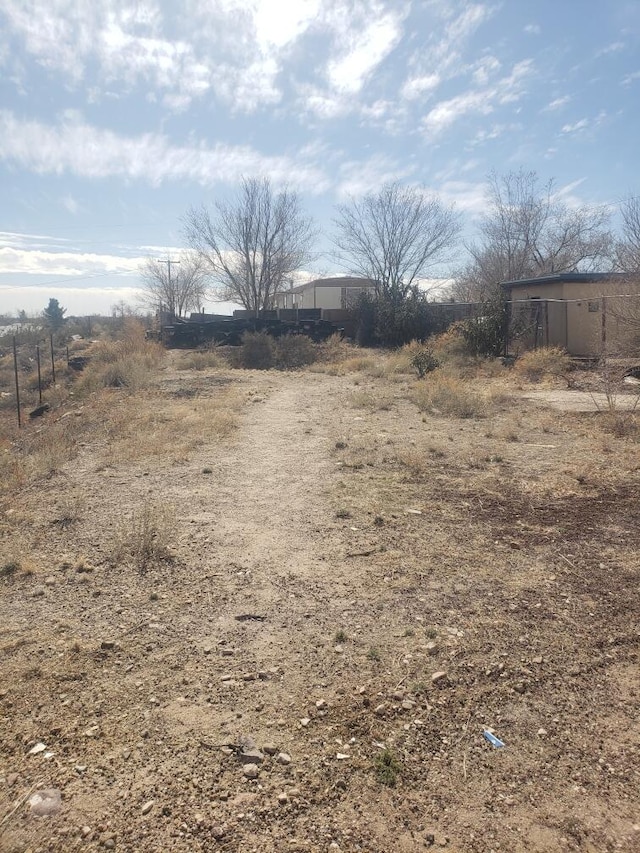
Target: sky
{"x": 117, "y": 116}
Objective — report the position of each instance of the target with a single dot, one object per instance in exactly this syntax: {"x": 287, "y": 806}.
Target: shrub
{"x": 382, "y": 321}
{"x": 294, "y": 351}
{"x": 387, "y": 767}
{"x": 144, "y": 539}
{"x": 448, "y": 396}
{"x": 257, "y": 352}
{"x": 423, "y": 361}
{"x": 546, "y": 361}
{"x": 486, "y": 334}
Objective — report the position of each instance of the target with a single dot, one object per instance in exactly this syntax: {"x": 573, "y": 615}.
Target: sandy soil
{"x": 356, "y": 591}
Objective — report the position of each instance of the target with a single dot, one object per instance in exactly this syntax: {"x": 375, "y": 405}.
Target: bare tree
{"x": 529, "y": 231}
{"x": 628, "y": 248}
{"x": 394, "y": 236}
{"x": 254, "y": 244}
{"x": 175, "y": 287}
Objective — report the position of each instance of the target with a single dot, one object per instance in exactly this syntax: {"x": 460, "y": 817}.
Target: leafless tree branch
{"x": 254, "y": 244}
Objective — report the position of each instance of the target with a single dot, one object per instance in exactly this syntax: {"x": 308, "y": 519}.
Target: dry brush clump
{"x": 261, "y": 351}
{"x": 543, "y": 363}
{"x": 143, "y": 538}
{"x": 446, "y": 395}
{"x": 128, "y": 363}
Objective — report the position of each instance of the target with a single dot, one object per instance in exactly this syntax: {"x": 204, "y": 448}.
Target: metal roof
{"x": 585, "y": 277}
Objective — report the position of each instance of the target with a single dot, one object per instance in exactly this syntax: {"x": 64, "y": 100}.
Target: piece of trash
{"x": 493, "y": 740}
{"x": 46, "y": 802}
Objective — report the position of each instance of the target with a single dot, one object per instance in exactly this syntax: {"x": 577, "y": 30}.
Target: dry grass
{"x": 543, "y": 363}
{"x": 209, "y": 359}
{"x": 445, "y": 395}
{"x": 144, "y": 537}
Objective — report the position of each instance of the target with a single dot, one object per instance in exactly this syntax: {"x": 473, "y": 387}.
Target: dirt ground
{"x": 355, "y": 591}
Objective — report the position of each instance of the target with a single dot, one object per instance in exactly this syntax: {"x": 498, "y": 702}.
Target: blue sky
{"x": 117, "y": 116}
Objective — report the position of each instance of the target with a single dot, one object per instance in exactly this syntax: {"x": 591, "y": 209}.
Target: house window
{"x": 594, "y": 306}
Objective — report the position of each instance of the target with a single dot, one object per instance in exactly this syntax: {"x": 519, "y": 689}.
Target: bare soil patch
{"x": 331, "y": 549}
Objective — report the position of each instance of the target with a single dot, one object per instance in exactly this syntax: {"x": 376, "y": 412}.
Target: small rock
{"x": 38, "y": 592}
{"x": 408, "y": 705}
{"x": 431, "y": 648}
{"x": 153, "y": 596}
{"x": 304, "y": 722}
{"x": 251, "y": 756}
{"x": 398, "y": 695}
{"x": 270, "y": 748}
{"x": 199, "y": 819}
{"x": 538, "y": 659}
{"x": 251, "y": 771}
{"x": 50, "y": 581}
{"x": 12, "y": 778}
{"x": 542, "y": 732}
{"x": 339, "y": 649}
{"x": 342, "y": 755}
{"x": 46, "y": 802}
{"x": 37, "y": 749}
{"x": 294, "y": 793}
{"x": 146, "y": 808}
{"x": 249, "y": 676}
{"x": 321, "y": 704}
{"x": 217, "y": 832}
{"x": 107, "y": 645}
{"x": 85, "y": 831}
{"x": 439, "y": 678}
{"x": 283, "y": 758}
{"x": 283, "y": 798}
{"x": 380, "y": 709}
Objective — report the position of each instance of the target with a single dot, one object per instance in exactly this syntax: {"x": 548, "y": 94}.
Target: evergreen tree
{"x": 54, "y": 314}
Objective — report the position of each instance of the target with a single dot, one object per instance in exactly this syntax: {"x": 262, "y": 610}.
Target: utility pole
{"x": 172, "y": 305}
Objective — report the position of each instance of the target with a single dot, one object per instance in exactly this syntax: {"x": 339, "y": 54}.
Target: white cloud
{"x": 479, "y": 101}
{"x": 415, "y": 87}
{"x": 558, "y": 103}
{"x": 484, "y": 69}
{"x": 75, "y": 147}
{"x": 576, "y": 127}
{"x": 36, "y": 262}
{"x": 441, "y": 57}
{"x": 614, "y": 47}
{"x": 359, "y": 177}
{"x": 70, "y": 204}
{"x": 626, "y": 81}
{"x": 533, "y": 29}
{"x": 468, "y": 196}
{"x": 347, "y": 74}
{"x": 235, "y": 48}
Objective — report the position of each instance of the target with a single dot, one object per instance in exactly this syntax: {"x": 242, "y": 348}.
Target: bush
{"x": 257, "y": 352}
{"x": 448, "y": 396}
{"x": 423, "y": 361}
{"x": 487, "y": 334}
{"x": 294, "y": 351}
{"x": 546, "y": 361}
{"x": 381, "y": 321}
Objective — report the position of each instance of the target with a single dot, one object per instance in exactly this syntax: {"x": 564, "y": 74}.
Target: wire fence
{"x": 36, "y": 369}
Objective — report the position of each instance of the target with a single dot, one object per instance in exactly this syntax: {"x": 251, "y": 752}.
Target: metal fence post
{"x": 15, "y": 370}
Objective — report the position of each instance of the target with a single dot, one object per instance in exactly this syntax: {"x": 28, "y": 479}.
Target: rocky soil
{"x": 354, "y": 594}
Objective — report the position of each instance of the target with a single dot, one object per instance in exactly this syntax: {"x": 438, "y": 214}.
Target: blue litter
{"x": 493, "y": 740}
